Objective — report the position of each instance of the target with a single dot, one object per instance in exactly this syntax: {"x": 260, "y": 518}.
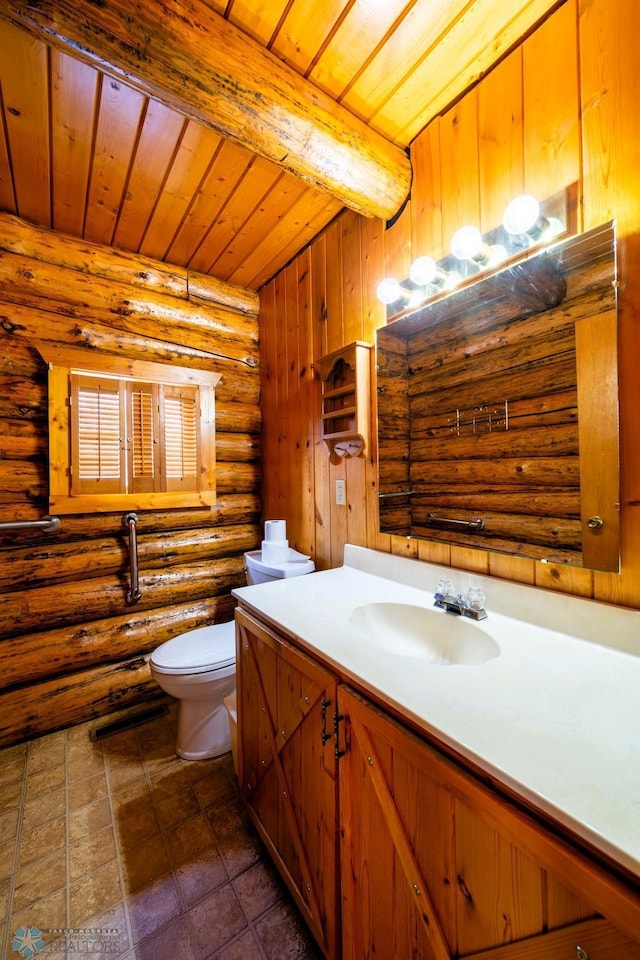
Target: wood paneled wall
{"x": 559, "y": 109}
{"x": 70, "y": 647}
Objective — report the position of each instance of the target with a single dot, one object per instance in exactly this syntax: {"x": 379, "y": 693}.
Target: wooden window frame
{"x": 64, "y": 365}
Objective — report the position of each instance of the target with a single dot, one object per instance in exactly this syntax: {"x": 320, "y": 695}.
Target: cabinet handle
{"x": 464, "y": 889}
{"x": 325, "y": 735}
{"x": 337, "y": 717}
{"x": 581, "y": 953}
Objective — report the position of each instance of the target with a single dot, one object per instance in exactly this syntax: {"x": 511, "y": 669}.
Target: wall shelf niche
{"x": 346, "y": 384}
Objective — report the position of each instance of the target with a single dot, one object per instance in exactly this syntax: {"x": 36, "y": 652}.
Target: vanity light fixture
{"x": 523, "y": 217}
{"x": 429, "y": 275}
{"x": 390, "y": 291}
{"x": 408, "y": 294}
{"x": 425, "y": 271}
{"x": 468, "y": 244}
{"x": 526, "y": 224}
{"x": 453, "y": 279}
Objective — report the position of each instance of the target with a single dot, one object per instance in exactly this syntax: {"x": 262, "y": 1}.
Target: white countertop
{"x": 555, "y": 717}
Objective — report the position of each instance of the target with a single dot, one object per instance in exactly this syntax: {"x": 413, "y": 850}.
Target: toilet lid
{"x": 196, "y": 651}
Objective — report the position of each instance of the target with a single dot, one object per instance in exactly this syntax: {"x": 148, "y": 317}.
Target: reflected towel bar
{"x": 130, "y": 520}
{"x": 47, "y": 525}
{"x": 475, "y": 524}
{"x": 404, "y": 493}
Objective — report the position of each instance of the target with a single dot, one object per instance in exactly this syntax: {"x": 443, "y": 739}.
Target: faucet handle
{"x": 475, "y": 598}
{"x": 444, "y": 589}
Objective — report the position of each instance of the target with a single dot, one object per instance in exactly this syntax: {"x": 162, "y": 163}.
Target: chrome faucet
{"x": 471, "y": 605}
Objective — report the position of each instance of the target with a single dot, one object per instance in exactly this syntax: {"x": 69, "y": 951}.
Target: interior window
{"x": 131, "y": 435}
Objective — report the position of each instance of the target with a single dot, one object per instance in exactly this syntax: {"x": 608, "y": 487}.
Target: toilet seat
{"x": 203, "y": 650}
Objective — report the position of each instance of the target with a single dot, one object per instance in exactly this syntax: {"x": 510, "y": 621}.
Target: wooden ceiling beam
{"x": 184, "y": 54}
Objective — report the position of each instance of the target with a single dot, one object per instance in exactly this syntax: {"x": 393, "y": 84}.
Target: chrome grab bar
{"x": 475, "y": 524}
{"x": 130, "y": 520}
{"x": 47, "y": 525}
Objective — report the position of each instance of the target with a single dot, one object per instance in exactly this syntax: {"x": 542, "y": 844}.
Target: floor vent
{"x": 125, "y": 723}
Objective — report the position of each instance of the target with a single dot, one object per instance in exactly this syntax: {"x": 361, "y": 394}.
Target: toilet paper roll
{"x": 275, "y": 552}
{"x": 275, "y": 530}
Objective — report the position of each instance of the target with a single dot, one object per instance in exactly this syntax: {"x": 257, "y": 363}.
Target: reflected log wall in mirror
{"x": 498, "y": 411}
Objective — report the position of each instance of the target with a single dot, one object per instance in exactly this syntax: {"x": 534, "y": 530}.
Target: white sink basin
{"x": 408, "y": 630}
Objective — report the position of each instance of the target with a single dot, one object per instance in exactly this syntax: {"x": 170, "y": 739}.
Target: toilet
{"x": 198, "y": 668}
{"x": 261, "y": 571}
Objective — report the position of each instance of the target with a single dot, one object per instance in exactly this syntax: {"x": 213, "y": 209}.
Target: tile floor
{"x": 119, "y": 849}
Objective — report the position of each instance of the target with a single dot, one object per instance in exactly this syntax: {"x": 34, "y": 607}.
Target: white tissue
{"x": 275, "y": 530}
{"x": 275, "y": 546}
{"x": 273, "y": 552}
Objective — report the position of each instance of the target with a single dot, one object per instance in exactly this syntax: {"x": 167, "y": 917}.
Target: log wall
{"x": 71, "y": 648}
{"x": 557, "y": 110}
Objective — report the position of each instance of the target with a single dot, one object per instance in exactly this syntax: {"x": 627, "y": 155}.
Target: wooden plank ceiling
{"x": 86, "y": 153}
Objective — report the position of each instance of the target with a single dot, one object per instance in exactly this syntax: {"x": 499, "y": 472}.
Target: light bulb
{"x": 522, "y": 215}
{"x": 554, "y": 229}
{"x": 453, "y": 279}
{"x": 466, "y": 243}
{"x": 499, "y": 253}
{"x": 389, "y": 291}
{"x": 424, "y": 270}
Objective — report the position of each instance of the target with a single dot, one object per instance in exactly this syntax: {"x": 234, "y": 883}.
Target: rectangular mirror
{"x": 498, "y": 410}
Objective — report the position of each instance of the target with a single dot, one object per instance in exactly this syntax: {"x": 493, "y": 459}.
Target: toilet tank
{"x": 258, "y": 572}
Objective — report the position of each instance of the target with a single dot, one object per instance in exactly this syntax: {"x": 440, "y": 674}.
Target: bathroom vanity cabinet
{"x": 434, "y": 861}
{"x": 435, "y": 864}
{"x": 287, "y": 768}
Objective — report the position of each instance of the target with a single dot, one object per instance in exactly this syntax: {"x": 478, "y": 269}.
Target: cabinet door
{"x": 592, "y": 940}
{"x": 287, "y": 768}
{"x": 434, "y": 865}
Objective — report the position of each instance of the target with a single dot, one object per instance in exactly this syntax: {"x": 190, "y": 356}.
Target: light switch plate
{"x": 341, "y": 493}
